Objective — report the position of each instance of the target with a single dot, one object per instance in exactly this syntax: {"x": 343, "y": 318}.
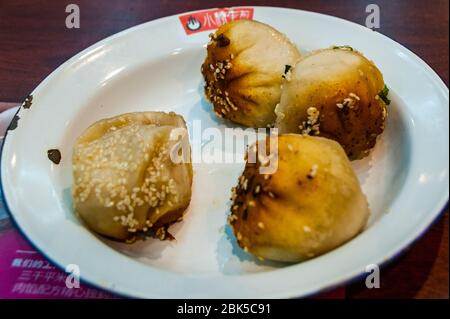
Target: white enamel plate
{"x": 156, "y": 66}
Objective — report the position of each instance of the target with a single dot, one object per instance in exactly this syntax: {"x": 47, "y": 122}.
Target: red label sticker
{"x": 212, "y": 19}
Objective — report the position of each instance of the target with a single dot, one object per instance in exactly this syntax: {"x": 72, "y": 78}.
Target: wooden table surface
{"x": 34, "y": 41}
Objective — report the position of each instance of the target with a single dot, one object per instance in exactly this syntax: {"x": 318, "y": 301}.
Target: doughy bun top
{"x": 124, "y": 178}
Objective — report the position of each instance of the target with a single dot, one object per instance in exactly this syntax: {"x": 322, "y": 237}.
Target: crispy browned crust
{"x": 231, "y": 84}
{"x": 250, "y": 197}
{"x": 314, "y": 188}
{"x": 355, "y": 127}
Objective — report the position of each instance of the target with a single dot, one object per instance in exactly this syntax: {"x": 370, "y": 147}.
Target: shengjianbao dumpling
{"x": 244, "y": 69}
{"x": 336, "y": 93}
{"x": 130, "y": 174}
{"x": 310, "y": 205}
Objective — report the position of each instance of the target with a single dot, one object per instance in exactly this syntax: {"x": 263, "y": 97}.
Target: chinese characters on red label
{"x": 212, "y": 19}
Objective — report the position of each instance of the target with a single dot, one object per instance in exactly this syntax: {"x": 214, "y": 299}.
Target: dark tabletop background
{"x": 34, "y": 41}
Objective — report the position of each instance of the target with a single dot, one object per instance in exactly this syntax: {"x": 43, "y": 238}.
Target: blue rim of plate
{"x": 342, "y": 283}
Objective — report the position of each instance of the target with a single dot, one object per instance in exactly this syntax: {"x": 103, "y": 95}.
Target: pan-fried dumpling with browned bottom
{"x": 130, "y": 175}
{"x": 311, "y": 204}
{"x": 244, "y": 69}
{"x": 335, "y": 93}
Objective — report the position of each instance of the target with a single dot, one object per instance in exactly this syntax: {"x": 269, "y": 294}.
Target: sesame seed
{"x": 353, "y": 95}
{"x": 161, "y": 233}
{"x": 130, "y": 240}
{"x": 245, "y": 184}
{"x": 351, "y": 101}
{"x": 233, "y": 193}
{"x": 313, "y": 172}
{"x": 312, "y": 123}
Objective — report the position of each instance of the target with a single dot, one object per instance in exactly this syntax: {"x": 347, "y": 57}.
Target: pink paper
{"x": 24, "y": 273}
